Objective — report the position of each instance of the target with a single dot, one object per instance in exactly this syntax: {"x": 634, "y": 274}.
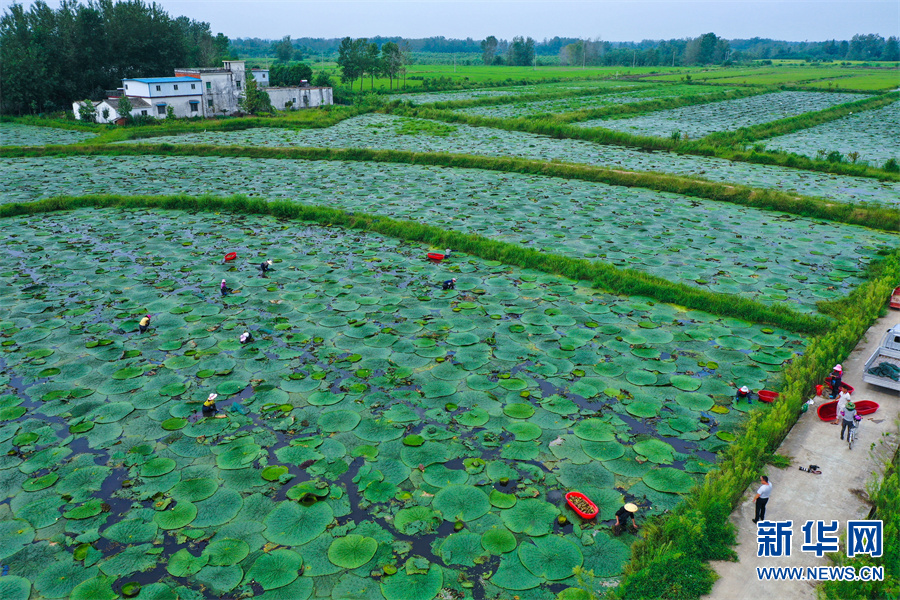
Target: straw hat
{"x": 745, "y": 389}
{"x": 212, "y": 397}
{"x": 631, "y": 507}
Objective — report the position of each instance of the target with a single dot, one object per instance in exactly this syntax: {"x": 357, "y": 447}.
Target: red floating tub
{"x": 895, "y": 298}
{"x": 828, "y": 411}
{"x": 230, "y": 256}
{"x": 435, "y": 256}
{"x": 767, "y": 396}
{"x": 583, "y": 515}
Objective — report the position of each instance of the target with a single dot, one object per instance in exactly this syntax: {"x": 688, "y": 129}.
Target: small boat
{"x": 767, "y": 396}
{"x": 895, "y": 298}
{"x": 584, "y": 515}
{"x": 230, "y": 256}
{"x": 828, "y": 411}
{"x": 435, "y": 256}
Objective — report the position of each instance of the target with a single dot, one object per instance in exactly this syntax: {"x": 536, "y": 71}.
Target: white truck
{"x": 883, "y": 368}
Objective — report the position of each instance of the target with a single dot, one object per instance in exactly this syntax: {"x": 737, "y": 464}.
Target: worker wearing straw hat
{"x": 622, "y": 516}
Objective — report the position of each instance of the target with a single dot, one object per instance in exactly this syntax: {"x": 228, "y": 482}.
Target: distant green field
{"x": 818, "y": 77}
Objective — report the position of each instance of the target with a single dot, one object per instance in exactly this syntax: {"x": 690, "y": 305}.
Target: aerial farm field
{"x": 383, "y": 435}
{"x": 699, "y": 121}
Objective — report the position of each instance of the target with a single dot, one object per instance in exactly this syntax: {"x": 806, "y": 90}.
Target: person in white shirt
{"x": 762, "y": 498}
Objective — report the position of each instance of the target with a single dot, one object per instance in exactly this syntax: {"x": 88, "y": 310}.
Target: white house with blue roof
{"x": 183, "y": 94}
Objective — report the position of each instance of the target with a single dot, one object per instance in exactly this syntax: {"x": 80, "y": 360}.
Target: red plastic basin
{"x": 435, "y": 256}
{"x": 581, "y": 514}
{"x": 230, "y": 256}
{"x": 767, "y": 396}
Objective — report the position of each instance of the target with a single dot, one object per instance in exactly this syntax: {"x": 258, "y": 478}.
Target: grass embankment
{"x": 868, "y": 215}
{"x": 727, "y": 148}
{"x": 670, "y": 560}
{"x": 602, "y": 275}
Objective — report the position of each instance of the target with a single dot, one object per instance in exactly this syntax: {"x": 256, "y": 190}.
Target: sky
{"x": 612, "y": 20}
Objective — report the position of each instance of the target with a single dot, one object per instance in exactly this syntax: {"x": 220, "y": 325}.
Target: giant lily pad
{"x": 420, "y": 586}
{"x": 352, "y": 551}
{"x": 550, "y": 557}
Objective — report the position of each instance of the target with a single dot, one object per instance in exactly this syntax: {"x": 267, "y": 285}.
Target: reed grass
{"x": 601, "y": 275}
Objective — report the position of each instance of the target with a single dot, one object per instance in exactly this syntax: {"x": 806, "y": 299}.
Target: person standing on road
{"x": 849, "y": 414}
{"x": 762, "y": 498}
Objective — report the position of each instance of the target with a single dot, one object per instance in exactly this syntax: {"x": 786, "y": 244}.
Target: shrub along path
{"x": 800, "y": 497}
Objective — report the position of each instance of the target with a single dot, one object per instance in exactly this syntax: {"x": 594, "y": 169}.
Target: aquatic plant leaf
{"x": 550, "y": 557}
{"x": 461, "y": 502}
{"x": 498, "y": 540}
{"x": 352, "y": 551}
{"x": 401, "y": 586}
{"x": 669, "y": 480}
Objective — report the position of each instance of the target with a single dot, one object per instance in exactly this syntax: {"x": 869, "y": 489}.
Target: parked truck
{"x": 883, "y": 368}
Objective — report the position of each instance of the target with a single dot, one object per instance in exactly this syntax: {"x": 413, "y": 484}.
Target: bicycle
{"x": 851, "y": 433}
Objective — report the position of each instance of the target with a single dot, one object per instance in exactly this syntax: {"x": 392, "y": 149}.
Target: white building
{"x": 110, "y": 108}
{"x": 205, "y": 92}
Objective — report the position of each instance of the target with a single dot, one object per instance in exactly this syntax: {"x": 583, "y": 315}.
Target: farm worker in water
{"x": 622, "y": 516}
{"x": 144, "y": 324}
{"x": 836, "y": 374}
{"x": 224, "y": 288}
{"x": 447, "y": 253}
{"x": 743, "y": 394}
{"x": 264, "y": 267}
{"x": 450, "y": 284}
{"x": 209, "y": 406}
{"x": 246, "y": 338}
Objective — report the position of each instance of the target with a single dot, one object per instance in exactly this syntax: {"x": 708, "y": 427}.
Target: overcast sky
{"x": 613, "y": 20}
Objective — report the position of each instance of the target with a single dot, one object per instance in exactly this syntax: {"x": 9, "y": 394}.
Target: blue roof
{"x": 165, "y": 80}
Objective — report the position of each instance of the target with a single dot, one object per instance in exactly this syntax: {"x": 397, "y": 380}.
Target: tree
{"x": 322, "y": 79}
{"x": 351, "y": 59}
{"x": 391, "y": 61}
{"x": 87, "y": 111}
{"x": 255, "y": 100}
{"x": 520, "y": 52}
{"x": 289, "y": 75}
{"x": 372, "y": 61}
{"x": 891, "y": 49}
{"x": 488, "y": 49}
{"x": 283, "y": 49}
{"x": 125, "y": 108}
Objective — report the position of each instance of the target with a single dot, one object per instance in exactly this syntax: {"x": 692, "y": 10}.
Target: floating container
{"x": 767, "y": 396}
{"x": 435, "y": 256}
{"x": 583, "y": 515}
{"x": 230, "y": 256}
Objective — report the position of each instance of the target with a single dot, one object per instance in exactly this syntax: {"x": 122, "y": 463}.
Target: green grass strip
{"x": 514, "y": 98}
{"x": 602, "y": 275}
{"x": 694, "y": 530}
{"x": 869, "y": 215}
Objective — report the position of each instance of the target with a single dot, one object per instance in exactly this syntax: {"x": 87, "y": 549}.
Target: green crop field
{"x": 701, "y": 120}
{"x": 871, "y": 135}
{"x": 383, "y": 436}
{"x": 392, "y": 133}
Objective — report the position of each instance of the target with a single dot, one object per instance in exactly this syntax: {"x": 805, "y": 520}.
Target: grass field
{"x": 819, "y": 77}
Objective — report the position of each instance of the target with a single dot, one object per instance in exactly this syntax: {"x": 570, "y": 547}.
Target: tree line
{"x": 48, "y": 58}
{"x": 360, "y": 57}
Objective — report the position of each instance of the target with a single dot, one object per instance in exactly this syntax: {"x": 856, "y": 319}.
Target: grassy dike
{"x": 727, "y": 145}
{"x": 671, "y": 559}
{"x": 868, "y": 215}
{"x": 602, "y": 276}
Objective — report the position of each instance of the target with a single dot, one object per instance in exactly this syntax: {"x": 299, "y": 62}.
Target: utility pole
{"x": 634, "y": 59}
{"x": 583, "y": 53}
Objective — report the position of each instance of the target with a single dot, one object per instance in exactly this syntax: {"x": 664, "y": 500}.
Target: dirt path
{"x": 800, "y": 497}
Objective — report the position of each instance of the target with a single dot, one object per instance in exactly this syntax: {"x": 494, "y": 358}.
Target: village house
{"x": 202, "y": 92}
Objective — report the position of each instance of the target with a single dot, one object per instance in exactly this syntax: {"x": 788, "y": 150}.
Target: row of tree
{"x": 48, "y": 58}
{"x": 647, "y": 52}
{"x": 358, "y": 58}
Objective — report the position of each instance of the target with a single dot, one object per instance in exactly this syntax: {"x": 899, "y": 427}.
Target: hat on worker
{"x": 838, "y": 368}
{"x": 631, "y": 507}
{"x": 745, "y": 389}
{"x": 850, "y": 405}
